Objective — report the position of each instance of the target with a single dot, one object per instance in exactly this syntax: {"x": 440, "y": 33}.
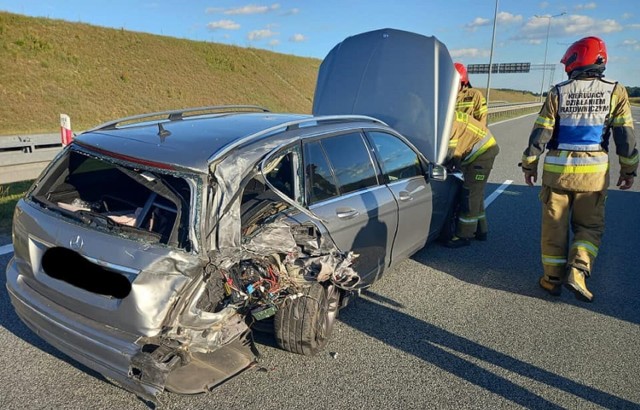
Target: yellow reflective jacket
{"x": 469, "y": 139}
{"x": 581, "y": 166}
{"x": 471, "y": 101}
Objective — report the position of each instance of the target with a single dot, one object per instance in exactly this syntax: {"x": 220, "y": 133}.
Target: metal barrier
{"x": 23, "y": 157}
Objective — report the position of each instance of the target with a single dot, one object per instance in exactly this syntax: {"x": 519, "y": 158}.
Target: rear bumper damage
{"x": 144, "y": 366}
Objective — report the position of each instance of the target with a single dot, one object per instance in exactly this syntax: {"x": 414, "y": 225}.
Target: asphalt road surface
{"x": 448, "y": 328}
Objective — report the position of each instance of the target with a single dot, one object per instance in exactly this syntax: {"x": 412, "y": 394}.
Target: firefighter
{"x": 470, "y": 100}
{"x": 574, "y": 125}
{"x": 474, "y": 151}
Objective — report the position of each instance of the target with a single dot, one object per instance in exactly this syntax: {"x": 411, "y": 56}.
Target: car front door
{"x": 342, "y": 188}
{"x": 404, "y": 176}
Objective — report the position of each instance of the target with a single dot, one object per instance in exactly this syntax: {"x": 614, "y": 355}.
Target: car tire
{"x": 303, "y": 325}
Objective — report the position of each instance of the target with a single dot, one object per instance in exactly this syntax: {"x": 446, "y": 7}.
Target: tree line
{"x": 633, "y": 91}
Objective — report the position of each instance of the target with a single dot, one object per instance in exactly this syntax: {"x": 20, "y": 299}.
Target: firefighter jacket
{"x": 469, "y": 139}
{"x": 472, "y": 102}
{"x": 574, "y": 124}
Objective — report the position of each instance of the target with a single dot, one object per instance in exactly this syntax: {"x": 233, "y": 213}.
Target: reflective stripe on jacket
{"x": 471, "y": 101}
{"x": 471, "y": 138}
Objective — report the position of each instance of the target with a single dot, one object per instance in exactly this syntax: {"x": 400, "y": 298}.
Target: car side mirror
{"x": 437, "y": 172}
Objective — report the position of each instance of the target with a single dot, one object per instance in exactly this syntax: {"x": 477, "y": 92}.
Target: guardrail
{"x": 23, "y": 157}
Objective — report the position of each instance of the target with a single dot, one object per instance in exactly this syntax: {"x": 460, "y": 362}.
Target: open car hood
{"x": 405, "y": 79}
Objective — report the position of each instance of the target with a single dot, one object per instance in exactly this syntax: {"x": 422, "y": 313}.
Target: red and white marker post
{"x": 65, "y": 130}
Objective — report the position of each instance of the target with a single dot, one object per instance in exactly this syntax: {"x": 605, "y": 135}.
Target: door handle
{"x": 405, "y": 196}
{"x": 346, "y": 213}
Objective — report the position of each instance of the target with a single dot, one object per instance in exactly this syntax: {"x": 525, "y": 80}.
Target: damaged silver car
{"x": 150, "y": 247}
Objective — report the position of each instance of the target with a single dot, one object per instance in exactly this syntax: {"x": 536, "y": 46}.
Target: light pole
{"x": 546, "y": 45}
{"x": 493, "y": 39}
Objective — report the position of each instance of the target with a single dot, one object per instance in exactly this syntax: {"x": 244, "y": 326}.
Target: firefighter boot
{"x": 551, "y": 284}
{"x": 576, "y": 282}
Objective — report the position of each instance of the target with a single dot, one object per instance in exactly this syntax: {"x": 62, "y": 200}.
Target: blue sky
{"x": 312, "y": 28}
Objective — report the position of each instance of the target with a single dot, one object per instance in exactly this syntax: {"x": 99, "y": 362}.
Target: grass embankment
{"x": 95, "y": 74}
{"x": 635, "y": 101}
{"x": 9, "y": 196}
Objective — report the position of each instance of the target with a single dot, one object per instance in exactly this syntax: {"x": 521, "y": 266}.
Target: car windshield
{"x": 153, "y": 206}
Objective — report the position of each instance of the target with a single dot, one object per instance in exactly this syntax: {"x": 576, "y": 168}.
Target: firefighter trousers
{"x": 566, "y": 212}
{"x": 471, "y": 215}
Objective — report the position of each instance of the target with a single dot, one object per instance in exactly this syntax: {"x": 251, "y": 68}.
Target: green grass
{"x": 95, "y": 74}
{"x": 9, "y": 196}
{"x": 635, "y": 101}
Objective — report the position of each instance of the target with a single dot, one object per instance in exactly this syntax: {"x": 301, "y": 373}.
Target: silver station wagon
{"x": 152, "y": 245}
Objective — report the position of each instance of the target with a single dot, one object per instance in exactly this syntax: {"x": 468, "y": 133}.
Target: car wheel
{"x": 304, "y": 325}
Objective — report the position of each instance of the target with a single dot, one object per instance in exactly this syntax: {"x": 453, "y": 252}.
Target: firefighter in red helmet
{"x": 470, "y": 100}
{"x": 574, "y": 125}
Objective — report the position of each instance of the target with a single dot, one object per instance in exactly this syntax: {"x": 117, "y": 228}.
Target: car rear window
{"x": 150, "y": 205}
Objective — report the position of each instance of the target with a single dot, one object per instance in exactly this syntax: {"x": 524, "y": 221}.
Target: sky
{"x": 313, "y": 28}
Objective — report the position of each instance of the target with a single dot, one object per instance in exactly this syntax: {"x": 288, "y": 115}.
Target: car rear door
{"x": 343, "y": 189}
{"x": 403, "y": 173}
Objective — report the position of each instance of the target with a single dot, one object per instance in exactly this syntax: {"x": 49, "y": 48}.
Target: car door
{"x": 342, "y": 188}
{"x": 404, "y": 175}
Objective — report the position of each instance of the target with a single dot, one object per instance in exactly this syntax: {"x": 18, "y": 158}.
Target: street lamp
{"x": 493, "y": 39}
{"x": 546, "y": 45}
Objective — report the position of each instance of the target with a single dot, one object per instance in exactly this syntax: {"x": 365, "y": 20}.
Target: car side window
{"x": 320, "y": 182}
{"x": 397, "y": 159}
{"x": 282, "y": 176}
{"x": 351, "y": 162}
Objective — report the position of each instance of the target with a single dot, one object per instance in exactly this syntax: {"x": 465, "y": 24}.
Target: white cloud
{"x": 633, "y": 26}
{"x": 626, "y": 16}
{"x": 291, "y": 12}
{"x": 544, "y": 4}
{"x": 586, "y": 6}
{"x": 477, "y": 22}
{"x": 256, "y": 35}
{"x": 502, "y": 18}
{"x": 252, "y": 9}
{"x": 469, "y": 52}
{"x": 223, "y": 24}
{"x": 574, "y": 26}
{"x": 508, "y": 18}
{"x": 274, "y": 42}
{"x": 297, "y": 38}
{"x": 632, "y": 44}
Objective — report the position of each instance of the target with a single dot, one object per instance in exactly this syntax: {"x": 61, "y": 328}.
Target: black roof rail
{"x": 176, "y": 115}
{"x": 292, "y": 125}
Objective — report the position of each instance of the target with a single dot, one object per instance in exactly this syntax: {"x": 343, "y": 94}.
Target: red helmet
{"x": 585, "y": 52}
{"x": 464, "y": 77}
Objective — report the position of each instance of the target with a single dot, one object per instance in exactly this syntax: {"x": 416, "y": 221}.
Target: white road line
{"x": 6, "y": 249}
{"x": 511, "y": 119}
{"x": 496, "y": 193}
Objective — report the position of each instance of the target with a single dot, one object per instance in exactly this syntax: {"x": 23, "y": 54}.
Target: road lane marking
{"x": 497, "y": 193}
{"x": 511, "y": 119}
{"x": 6, "y": 249}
